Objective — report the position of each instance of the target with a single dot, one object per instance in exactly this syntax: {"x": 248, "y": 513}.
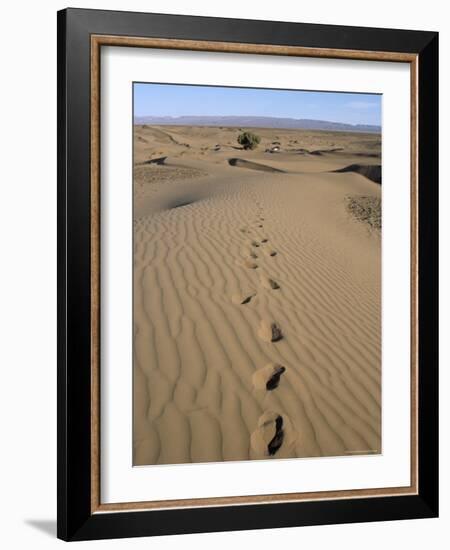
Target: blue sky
{"x": 179, "y": 100}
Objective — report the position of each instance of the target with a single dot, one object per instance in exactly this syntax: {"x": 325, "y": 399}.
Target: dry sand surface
{"x": 257, "y": 295}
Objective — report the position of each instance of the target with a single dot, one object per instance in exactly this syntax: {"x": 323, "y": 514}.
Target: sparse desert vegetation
{"x": 248, "y": 140}
{"x": 366, "y": 209}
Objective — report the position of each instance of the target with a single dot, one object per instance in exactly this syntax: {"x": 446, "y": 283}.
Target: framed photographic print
{"x": 247, "y": 254}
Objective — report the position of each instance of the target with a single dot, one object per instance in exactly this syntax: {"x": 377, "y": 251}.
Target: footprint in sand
{"x": 264, "y": 240}
{"x": 243, "y": 230}
{"x": 273, "y": 433}
{"x": 267, "y": 439}
{"x": 260, "y": 226}
{"x": 272, "y": 253}
{"x": 269, "y": 331}
{"x": 241, "y": 299}
{"x": 268, "y": 283}
{"x": 253, "y": 255}
{"x": 268, "y": 377}
{"x": 255, "y": 244}
{"x": 249, "y": 264}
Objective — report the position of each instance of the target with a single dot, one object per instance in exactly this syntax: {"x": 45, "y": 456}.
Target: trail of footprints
{"x": 272, "y": 430}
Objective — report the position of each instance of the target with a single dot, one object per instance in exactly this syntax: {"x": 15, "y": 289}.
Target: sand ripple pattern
{"x": 263, "y": 250}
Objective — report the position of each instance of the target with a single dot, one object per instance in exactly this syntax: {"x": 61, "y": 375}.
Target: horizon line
{"x": 258, "y": 117}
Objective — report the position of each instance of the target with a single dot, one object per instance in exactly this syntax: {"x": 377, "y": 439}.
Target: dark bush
{"x": 248, "y": 140}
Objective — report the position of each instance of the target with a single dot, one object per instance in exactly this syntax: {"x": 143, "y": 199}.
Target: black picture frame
{"x": 76, "y": 521}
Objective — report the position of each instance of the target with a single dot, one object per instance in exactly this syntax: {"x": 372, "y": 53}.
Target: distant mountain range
{"x": 256, "y": 122}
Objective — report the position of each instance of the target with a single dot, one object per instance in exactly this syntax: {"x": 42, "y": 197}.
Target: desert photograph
{"x": 256, "y": 274}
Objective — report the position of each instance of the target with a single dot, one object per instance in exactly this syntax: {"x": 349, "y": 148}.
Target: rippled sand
{"x": 240, "y": 270}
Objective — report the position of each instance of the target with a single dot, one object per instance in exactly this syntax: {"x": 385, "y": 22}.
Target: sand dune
{"x": 241, "y": 163}
{"x": 372, "y": 172}
{"x": 239, "y": 272}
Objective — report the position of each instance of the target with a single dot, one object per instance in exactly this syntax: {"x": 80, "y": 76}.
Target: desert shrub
{"x": 365, "y": 209}
{"x": 248, "y": 140}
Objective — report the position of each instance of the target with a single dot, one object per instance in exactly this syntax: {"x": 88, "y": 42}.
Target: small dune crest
{"x": 158, "y": 134}
{"x": 320, "y": 152}
{"x": 158, "y": 160}
{"x": 369, "y": 171}
{"x": 241, "y": 163}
